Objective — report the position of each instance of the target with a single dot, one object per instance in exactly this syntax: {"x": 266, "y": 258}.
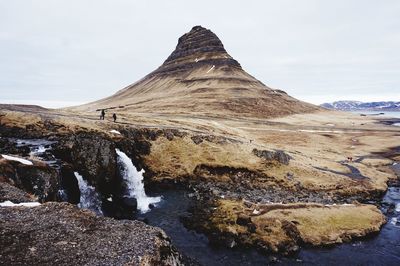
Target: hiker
{"x": 102, "y": 114}
{"x": 115, "y": 117}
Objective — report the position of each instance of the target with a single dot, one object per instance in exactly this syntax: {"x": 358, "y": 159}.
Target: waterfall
{"x": 89, "y": 197}
{"x": 134, "y": 182}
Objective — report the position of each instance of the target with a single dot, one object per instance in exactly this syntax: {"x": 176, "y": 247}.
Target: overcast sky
{"x": 58, "y": 53}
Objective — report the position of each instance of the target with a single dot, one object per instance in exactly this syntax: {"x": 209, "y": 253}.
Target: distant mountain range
{"x": 360, "y": 106}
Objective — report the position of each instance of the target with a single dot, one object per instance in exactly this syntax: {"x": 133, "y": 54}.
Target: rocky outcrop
{"x": 94, "y": 156}
{"x": 62, "y": 234}
{"x": 38, "y": 179}
{"x": 283, "y": 227}
{"x": 14, "y": 194}
{"x": 278, "y": 156}
{"x": 198, "y": 43}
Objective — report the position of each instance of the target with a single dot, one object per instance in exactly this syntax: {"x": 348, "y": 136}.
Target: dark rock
{"x": 243, "y": 220}
{"x": 62, "y": 234}
{"x": 14, "y": 194}
{"x": 38, "y": 179}
{"x": 70, "y": 184}
{"x": 197, "y": 139}
{"x": 94, "y": 156}
{"x": 391, "y": 208}
{"x": 278, "y": 155}
{"x": 120, "y": 207}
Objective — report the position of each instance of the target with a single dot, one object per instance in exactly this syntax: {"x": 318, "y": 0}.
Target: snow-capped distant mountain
{"x": 369, "y": 106}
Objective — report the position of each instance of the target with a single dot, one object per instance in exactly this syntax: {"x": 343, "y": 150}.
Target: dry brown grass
{"x": 277, "y": 225}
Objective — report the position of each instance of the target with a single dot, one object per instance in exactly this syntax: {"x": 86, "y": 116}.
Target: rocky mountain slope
{"x": 200, "y": 77}
{"x": 363, "y": 106}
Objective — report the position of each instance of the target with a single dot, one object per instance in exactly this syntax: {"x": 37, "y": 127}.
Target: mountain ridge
{"x": 360, "y": 106}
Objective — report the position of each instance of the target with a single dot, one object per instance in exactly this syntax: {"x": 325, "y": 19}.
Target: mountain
{"x": 200, "y": 77}
{"x": 360, "y": 106}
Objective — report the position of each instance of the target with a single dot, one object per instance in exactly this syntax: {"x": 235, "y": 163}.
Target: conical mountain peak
{"x": 200, "y": 77}
{"x": 197, "y": 47}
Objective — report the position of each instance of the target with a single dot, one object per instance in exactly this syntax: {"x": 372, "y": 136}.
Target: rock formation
{"x": 61, "y": 233}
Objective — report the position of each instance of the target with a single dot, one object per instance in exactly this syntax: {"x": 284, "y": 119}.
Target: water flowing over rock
{"x": 89, "y": 198}
{"x": 134, "y": 183}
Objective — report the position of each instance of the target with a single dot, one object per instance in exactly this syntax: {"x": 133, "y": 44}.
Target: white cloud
{"x": 74, "y": 51}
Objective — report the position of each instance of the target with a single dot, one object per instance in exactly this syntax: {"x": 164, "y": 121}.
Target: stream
{"x": 381, "y": 249}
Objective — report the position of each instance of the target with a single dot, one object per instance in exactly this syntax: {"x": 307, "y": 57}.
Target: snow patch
{"x": 23, "y": 204}
{"x": 115, "y": 132}
{"x": 12, "y": 158}
{"x": 211, "y": 68}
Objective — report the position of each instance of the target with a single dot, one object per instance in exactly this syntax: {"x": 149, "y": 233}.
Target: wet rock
{"x": 120, "y": 208}
{"x": 95, "y": 158}
{"x": 38, "y": 179}
{"x": 391, "y": 208}
{"x": 62, "y": 234}
{"x": 70, "y": 184}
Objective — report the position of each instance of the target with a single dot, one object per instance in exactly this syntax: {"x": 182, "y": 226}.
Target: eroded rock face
{"x": 62, "y": 234}
{"x": 199, "y": 42}
{"x": 278, "y": 155}
{"x": 94, "y": 156}
{"x": 38, "y": 179}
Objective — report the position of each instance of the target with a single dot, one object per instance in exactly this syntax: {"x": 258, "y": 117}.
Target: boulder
{"x": 61, "y": 234}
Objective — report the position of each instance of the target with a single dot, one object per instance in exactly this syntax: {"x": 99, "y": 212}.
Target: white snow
{"x": 115, "y": 132}
{"x": 398, "y": 207}
{"x": 134, "y": 182}
{"x": 12, "y": 158}
{"x": 320, "y": 131}
{"x": 24, "y": 204}
{"x": 256, "y": 212}
{"x": 211, "y": 68}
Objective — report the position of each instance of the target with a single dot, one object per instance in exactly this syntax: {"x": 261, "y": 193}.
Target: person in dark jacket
{"x": 102, "y": 114}
{"x": 115, "y": 117}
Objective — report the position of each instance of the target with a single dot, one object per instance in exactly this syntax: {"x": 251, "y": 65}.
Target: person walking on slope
{"x": 115, "y": 117}
{"x": 102, "y": 114}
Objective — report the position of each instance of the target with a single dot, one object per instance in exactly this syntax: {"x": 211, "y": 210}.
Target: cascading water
{"x": 134, "y": 182}
{"x": 89, "y": 198}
